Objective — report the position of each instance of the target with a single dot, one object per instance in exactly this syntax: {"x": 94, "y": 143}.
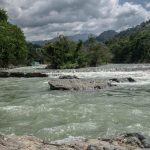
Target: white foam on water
{"x": 137, "y": 112}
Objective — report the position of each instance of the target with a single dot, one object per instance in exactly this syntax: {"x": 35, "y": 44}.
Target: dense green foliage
{"x": 35, "y": 54}
{"x": 64, "y": 53}
{"x": 97, "y": 53}
{"x": 3, "y": 15}
{"x": 13, "y": 50}
{"x": 132, "y": 45}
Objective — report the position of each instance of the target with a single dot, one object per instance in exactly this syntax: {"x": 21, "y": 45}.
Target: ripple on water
{"x": 67, "y": 130}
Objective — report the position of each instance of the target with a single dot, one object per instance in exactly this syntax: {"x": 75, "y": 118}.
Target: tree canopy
{"x": 13, "y": 50}
{"x": 3, "y": 15}
{"x": 132, "y": 46}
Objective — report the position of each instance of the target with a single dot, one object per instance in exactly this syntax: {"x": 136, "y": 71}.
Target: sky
{"x": 45, "y": 19}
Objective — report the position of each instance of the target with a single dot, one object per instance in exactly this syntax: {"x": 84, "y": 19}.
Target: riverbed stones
{"x": 78, "y": 84}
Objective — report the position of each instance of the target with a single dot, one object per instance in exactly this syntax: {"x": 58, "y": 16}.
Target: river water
{"x": 28, "y": 107}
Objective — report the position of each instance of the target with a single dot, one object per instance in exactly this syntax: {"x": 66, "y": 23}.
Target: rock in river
{"x": 22, "y": 75}
{"x": 68, "y": 77}
{"x": 78, "y": 84}
{"x": 119, "y": 80}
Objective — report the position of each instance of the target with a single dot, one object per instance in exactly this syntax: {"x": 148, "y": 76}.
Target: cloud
{"x": 44, "y": 19}
{"x": 148, "y": 5}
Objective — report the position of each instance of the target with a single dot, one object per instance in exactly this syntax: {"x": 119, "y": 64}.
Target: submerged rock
{"x": 78, "y": 84}
{"x": 92, "y": 147}
{"x": 119, "y": 80}
{"x": 4, "y": 74}
{"x": 17, "y": 74}
{"x": 68, "y": 77}
{"x": 35, "y": 74}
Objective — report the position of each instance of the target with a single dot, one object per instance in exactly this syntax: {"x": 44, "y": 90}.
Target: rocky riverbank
{"x": 132, "y": 141}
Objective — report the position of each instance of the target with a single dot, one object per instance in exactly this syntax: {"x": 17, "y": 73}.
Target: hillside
{"x": 106, "y": 35}
{"x": 132, "y": 45}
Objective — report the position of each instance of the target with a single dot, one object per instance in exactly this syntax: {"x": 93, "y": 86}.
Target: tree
{"x": 13, "y": 50}
{"x": 64, "y": 54}
{"x": 3, "y": 15}
{"x": 98, "y": 53}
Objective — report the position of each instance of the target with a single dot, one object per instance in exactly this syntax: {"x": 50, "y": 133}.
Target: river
{"x": 28, "y": 107}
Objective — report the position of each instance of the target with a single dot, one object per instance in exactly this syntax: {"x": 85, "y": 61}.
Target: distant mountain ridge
{"x": 76, "y": 38}
{"x": 106, "y": 35}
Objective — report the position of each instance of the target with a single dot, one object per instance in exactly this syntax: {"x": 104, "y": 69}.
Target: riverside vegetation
{"x": 129, "y": 46}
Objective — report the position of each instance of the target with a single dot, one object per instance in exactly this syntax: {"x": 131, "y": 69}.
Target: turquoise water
{"x": 28, "y": 107}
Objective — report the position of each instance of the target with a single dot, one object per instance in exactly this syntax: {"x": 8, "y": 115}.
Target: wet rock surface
{"x": 68, "y": 77}
{"x": 119, "y": 80}
{"x": 22, "y": 75}
{"x": 78, "y": 84}
{"x": 121, "y": 142}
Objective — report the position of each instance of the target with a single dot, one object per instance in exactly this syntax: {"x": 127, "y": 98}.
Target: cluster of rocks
{"x": 21, "y": 75}
{"x": 132, "y": 141}
{"x": 73, "y": 83}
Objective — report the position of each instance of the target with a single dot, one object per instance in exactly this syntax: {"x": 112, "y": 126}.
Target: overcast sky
{"x": 43, "y": 19}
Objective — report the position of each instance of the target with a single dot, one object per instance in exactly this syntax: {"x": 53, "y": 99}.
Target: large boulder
{"x": 78, "y": 84}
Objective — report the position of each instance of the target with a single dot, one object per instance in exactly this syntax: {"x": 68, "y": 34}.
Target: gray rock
{"x": 4, "y": 74}
{"x": 68, "y": 77}
{"x": 106, "y": 148}
{"x": 21, "y": 75}
{"x": 92, "y": 147}
{"x": 35, "y": 74}
{"x": 131, "y": 79}
{"x": 17, "y": 74}
{"x": 78, "y": 84}
{"x": 115, "y": 80}
{"x": 134, "y": 141}
{"x": 138, "y": 135}
{"x": 119, "y": 80}
{"x": 146, "y": 143}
